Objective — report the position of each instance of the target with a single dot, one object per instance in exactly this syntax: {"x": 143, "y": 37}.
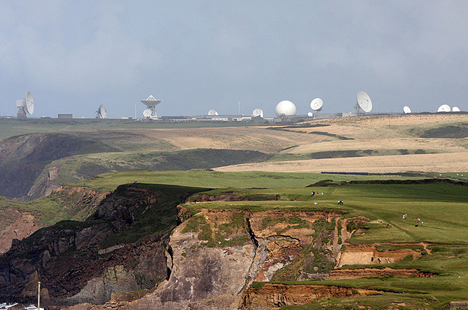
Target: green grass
{"x": 216, "y": 179}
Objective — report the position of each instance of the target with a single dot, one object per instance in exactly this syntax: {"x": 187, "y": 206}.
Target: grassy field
{"x": 209, "y": 178}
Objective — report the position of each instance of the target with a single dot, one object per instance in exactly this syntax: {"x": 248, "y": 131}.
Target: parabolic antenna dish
{"x": 212, "y": 112}
{"x": 444, "y": 108}
{"x": 29, "y": 103}
{"x": 147, "y": 113}
{"x": 151, "y": 101}
{"x": 364, "y": 102}
{"x": 316, "y": 104}
{"x": 455, "y": 109}
{"x": 406, "y": 109}
{"x": 310, "y": 114}
{"x": 101, "y": 112}
{"x": 257, "y": 113}
{"x": 285, "y": 108}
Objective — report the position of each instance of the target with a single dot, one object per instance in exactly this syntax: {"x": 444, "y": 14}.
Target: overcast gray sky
{"x": 198, "y": 55}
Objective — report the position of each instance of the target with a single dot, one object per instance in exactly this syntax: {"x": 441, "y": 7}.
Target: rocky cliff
{"x": 217, "y": 254}
{"x": 121, "y": 247}
{"x": 19, "y": 222}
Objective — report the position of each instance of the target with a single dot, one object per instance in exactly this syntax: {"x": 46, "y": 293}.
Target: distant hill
{"x": 40, "y": 155}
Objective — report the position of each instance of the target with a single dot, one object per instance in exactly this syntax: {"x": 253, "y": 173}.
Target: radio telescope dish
{"x": 151, "y": 103}
{"x": 101, "y": 112}
{"x": 316, "y": 104}
{"x": 310, "y": 114}
{"x": 25, "y": 105}
{"x": 406, "y": 109}
{"x": 363, "y": 102}
{"x": 285, "y": 108}
{"x": 444, "y": 108}
{"x": 455, "y": 109}
{"x": 257, "y": 113}
{"x": 212, "y": 112}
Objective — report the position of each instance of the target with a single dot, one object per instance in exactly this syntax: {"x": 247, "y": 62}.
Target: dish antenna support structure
{"x": 25, "y": 105}
{"x": 363, "y": 102}
{"x": 101, "y": 113}
{"x": 151, "y": 103}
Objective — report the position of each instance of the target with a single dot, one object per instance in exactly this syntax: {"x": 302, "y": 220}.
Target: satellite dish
{"x": 25, "y": 105}
{"x": 455, "y": 109}
{"x": 147, "y": 113}
{"x": 212, "y": 112}
{"x": 101, "y": 112}
{"x": 316, "y": 104}
{"x": 151, "y": 103}
{"x": 406, "y": 109}
{"x": 310, "y": 114}
{"x": 363, "y": 102}
{"x": 257, "y": 113}
{"x": 29, "y": 103}
{"x": 444, "y": 108}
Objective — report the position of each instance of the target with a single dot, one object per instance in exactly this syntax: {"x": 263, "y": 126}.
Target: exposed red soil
{"x": 274, "y": 295}
{"x": 377, "y": 272}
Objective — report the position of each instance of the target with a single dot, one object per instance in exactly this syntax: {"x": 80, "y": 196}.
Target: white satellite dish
{"x": 257, "y": 113}
{"x": 406, "y": 109}
{"x": 101, "y": 112}
{"x": 456, "y": 109}
{"x": 147, "y": 113}
{"x": 363, "y": 102}
{"x": 444, "y": 108}
{"x": 151, "y": 103}
{"x": 212, "y": 112}
{"x": 310, "y": 114}
{"x": 316, "y": 104}
{"x": 25, "y": 105}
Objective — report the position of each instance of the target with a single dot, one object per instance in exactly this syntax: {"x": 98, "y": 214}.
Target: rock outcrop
{"x": 87, "y": 261}
{"x": 16, "y": 225}
{"x": 217, "y": 254}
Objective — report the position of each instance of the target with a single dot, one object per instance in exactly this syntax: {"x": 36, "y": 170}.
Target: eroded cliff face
{"x": 217, "y": 254}
{"x": 15, "y": 225}
{"x": 87, "y": 261}
{"x": 18, "y": 225}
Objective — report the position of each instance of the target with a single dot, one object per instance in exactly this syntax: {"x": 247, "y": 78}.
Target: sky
{"x": 232, "y": 55}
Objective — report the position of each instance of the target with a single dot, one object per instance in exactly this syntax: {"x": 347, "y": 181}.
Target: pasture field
{"x": 209, "y": 178}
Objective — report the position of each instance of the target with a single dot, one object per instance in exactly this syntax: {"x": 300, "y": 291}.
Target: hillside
{"x": 56, "y": 152}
